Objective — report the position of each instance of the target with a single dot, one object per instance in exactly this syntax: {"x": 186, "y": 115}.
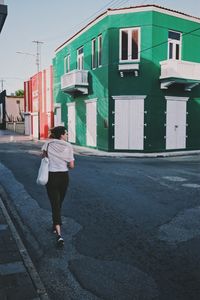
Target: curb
{"x": 40, "y": 289}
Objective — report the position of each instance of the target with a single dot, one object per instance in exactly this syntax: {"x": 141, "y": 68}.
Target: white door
{"x": 91, "y": 123}
{"x": 176, "y": 124}
{"x": 35, "y": 126}
{"x": 49, "y": 120}
{"x": 129, "y": 124}
{"x": 71, "y": 123}
{"x": 121, "y": 124}
{"x": 27, "y": 123}
{"x": 57, "y": 116}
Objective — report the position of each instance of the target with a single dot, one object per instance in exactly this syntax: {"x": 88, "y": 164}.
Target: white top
{"x": 59, "y": 154}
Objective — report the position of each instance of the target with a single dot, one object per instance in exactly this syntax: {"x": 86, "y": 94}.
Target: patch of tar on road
{"x": 113, "y": 280}
{"x": 183, "y": 227}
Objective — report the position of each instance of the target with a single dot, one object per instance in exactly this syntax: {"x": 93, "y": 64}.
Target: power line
{"x": 108, "y": 5}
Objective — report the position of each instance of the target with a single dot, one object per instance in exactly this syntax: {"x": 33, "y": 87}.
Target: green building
{"x": 129, "y": 81}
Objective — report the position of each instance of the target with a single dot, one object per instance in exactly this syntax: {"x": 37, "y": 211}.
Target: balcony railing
{"x": 75, "y": 81}
{"x": 178, "y": 71}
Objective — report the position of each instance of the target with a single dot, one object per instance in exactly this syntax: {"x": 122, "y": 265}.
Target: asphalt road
{"x": 131, "y": 225}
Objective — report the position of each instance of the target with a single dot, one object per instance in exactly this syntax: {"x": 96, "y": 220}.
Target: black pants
{"x": 56, "y": 189}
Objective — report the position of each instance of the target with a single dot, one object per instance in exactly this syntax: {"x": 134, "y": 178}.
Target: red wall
{"x": 39, "y": 92}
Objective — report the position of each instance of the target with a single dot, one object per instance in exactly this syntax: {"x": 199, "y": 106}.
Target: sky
{"x": 52, "y": 23}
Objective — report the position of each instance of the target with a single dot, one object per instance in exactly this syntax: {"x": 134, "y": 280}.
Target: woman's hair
{"x": 56, "y": 132}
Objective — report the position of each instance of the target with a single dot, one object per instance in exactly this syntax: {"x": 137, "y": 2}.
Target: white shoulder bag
{"x": 43, "y": 172}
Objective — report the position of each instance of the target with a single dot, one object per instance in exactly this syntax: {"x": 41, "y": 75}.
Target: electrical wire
{"x": 88, "y": 19}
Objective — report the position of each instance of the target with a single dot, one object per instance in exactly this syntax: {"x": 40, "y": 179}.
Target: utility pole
{"x": 2, "y": 81}
{"x": 38, "y": 54}
{"x": 38, "y": 63}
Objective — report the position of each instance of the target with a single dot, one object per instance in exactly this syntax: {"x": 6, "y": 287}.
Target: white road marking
{"x": 175, "y": 178}
{"x": 191, "y": 185}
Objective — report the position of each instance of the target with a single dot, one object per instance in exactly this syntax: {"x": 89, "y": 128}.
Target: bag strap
{"x": 45, "y": 152}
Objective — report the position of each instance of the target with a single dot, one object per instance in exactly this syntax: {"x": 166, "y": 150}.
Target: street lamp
{"x": 25, "y": 53}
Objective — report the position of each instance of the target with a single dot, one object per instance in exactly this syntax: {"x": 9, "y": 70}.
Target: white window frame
{"x": 94, "y": 61}
{"x": 99, "y": 58}
{"x": 130, "y": 30}
{"x": 67, "y": 64}
{"x": 80, "y": 57}
{"x": 174, "y": 43}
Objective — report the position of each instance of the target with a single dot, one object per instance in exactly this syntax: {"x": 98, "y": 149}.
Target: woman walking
{"x": 61, "y": 158}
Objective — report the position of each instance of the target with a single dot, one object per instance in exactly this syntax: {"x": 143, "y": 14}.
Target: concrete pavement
{"x": 19, "y": 279}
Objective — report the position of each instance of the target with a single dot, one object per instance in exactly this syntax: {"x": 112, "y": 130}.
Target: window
{"x": 174, "y": 45}
{"x": 129, "y": 44}
{"x": 80, "y": 58}
{"x": 99, "y": 50}
{"x": 93, "y": 53}
{"x": 67, "y": 64}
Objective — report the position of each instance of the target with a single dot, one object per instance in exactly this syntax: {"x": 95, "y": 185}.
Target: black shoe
{"x": 60, "y": 241}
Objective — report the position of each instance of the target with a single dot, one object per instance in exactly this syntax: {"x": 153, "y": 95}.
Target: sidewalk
{"x": 94, "y": 152}
{"x": 18, "y": 278}
{"x": 9, "y": 136}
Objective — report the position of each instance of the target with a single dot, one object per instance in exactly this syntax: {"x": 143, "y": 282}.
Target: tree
{"x": 19, "y": 93}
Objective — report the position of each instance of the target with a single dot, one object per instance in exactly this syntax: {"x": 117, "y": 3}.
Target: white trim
{"x": 129, "y": 97}
{"x": 34, "y": 114}
{"x": 90, "y": 100}
{"x": 175, "y": 98}
{"x": 94, "y": 60}
{"x": 70, "y": 104}
{"x": 98, "y": 50}
{"x": 57, "y": 105}
{"x": 127, "y": 11}
{"x": 124, "y": 67}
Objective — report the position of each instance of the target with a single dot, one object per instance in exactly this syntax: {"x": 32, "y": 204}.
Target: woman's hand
{"x": 44, "y": 154}
{"x": 71, "y": 164}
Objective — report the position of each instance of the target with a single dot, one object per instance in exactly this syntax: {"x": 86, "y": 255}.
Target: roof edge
{"x": 110, "y": 10}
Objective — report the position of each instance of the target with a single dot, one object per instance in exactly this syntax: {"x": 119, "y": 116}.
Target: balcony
{"x": 75, "y": 81}
{"x": 179, "y": 72}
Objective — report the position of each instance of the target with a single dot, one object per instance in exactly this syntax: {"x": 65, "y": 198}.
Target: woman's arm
{"x": 71, "y": 164}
